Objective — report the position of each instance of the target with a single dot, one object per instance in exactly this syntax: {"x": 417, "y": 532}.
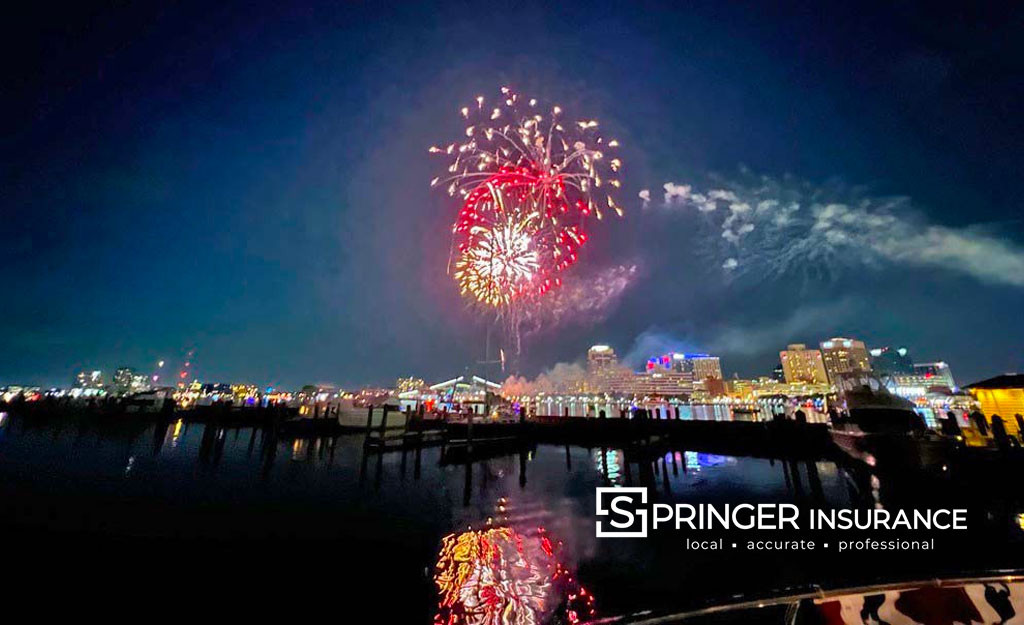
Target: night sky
{"x": 252, "y": 182}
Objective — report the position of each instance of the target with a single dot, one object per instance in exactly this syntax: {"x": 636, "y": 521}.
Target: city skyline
{"x": 249, "y": 192}
{"x": 797, "y": 363}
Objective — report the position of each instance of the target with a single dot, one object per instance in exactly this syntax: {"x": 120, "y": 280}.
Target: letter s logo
{"x": 616, "y": 508}
{"x": 626, "y": 507}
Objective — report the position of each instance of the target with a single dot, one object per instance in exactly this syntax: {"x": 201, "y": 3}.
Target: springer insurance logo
{"x": 626, "y": 512}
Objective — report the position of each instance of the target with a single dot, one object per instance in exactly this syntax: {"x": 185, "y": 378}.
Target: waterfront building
{"x": 215, "y": 392}
{"x": 889, "y": 361}
{"x": 779, "y": 373}
{"x": 89, "y": 379}
{"x": 708, "y": 388}
{"x": 936, "y": 374}
{"x": 770, "y": 398}
{"x": 750, "y": 390}
{"x": 655, "y": 380}
{"x": 702, "y": 366}
{"x": 464, "y": 392}
{"x": 403, "y": 385}
{"x": 123, "y": 378}
{"x": 1002, "y": 395}
{"x": 13, "y": 392}
{"x": 844, "y": 355}
{"x": 140, "y": 383}
{"x": 601, "y": 358}
{"x": 246, "y": 394}
{"x": 803, "y": 366}
{"x": 924, "y": 378}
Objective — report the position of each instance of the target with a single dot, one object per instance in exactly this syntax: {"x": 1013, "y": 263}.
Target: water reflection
{"x": 501, "y": 575}
{"x": 609, "y": 463}
{"x": 327, "y": 492}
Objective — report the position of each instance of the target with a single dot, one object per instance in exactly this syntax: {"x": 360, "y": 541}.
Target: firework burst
{"x": 499, "y": 258}
{"x": 528, "y": 178}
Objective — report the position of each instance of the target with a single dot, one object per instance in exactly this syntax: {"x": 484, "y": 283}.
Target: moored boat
{"x": 883, "y": 430}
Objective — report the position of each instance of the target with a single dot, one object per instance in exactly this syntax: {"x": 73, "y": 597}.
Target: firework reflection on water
{"x": 511, "y": 571}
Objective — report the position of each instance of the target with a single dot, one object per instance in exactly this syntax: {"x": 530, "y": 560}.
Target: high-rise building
{"x": 601, "y": 358}
{"x": 802, "y": 365}
{"x": 843, "y": 355}
{"x": 889, "y": 361}
{"x": 702, "y": 366}
{"x": 779, "y": 373}
{"x": 89, "y": 379}
{"x": 123, "y": 377}
{"x": 140, "y": 383}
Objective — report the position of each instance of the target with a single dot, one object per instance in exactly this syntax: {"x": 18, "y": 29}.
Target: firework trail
{"x": 528, "y": 178}
{"x": 769, "y": 228}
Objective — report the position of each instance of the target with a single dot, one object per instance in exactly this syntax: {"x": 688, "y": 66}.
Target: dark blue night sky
{"x": 252, "y": 181}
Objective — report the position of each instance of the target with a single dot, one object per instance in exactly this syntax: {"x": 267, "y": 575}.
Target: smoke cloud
{"x": 587, "y": 300}
{"x": 562, "y": 378}
{"x": 775, "y": 227}
{"x": 806, "y": 324}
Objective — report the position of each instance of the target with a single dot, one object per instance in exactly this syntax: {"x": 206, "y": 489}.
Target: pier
{"x": 472, "y": 436}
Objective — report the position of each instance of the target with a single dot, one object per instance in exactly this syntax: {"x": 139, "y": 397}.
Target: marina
{"x": 226, "y": 481}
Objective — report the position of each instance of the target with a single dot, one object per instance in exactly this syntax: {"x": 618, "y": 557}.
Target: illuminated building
{"x": 89, "y": 379}
{"x": 749, "y": 390}
{"x": 843, "y": 355}
{"x": 924, "y": 378}
{"x": 603, "y": 372}
{"x": 802, "y": 365}
{"x": 701, "y": 366}
{"x": 1002, "y": 395}
{"x": 662, "y": 382}
{"x": 465, "y": 391}
{"x": 709, "y": 388}
{"x": 889, "y": 361}
{"x": 656, "y": 379}
{"x": 11, "y": 393}
{"x": 245, "y": 394}
{"x": 140, "y": 383}
{"x": 123, "y": 378}
{"x": 936, "y": 373}
{"x": 601, "y": 358}
{"x": 404, "y": 385}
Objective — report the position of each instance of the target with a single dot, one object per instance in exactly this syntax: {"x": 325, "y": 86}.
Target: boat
{"x": 344, "y": 415}
{"x": 993, "y": 598}
{"x": 500, "y": 425}
{"x": 156, "y": 401}
{"x": 883, "y": 430}
{"x": 352, "y": 415}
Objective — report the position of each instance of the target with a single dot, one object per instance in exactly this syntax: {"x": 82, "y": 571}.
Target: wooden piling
{"x": 369, "y": 425}
{"x": 383, "y": 424}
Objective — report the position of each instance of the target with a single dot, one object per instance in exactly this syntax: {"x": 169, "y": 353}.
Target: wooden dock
{"x": 766, "y": 439}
